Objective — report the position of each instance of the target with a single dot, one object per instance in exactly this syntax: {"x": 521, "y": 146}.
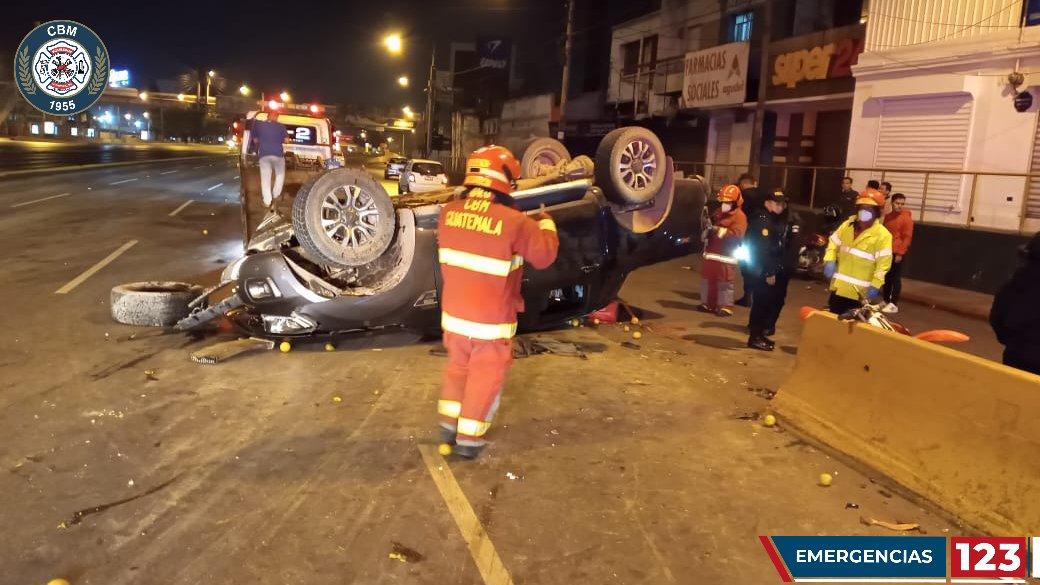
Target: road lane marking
{"x": 123, "y": 181}
{"x": 198, "y": 167}
{"x": 168, "y": 172}
{"x": 93, "y": 269}
{"x": 480, "y": 547}
{"x": 236, "y": 176}
{"x": 39, "y": 200}
{"x": 215, "y": 186}
{"x": 178, "y": 210}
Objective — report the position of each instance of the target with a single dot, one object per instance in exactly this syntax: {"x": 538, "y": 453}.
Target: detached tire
{"x": 153, "y": 304}
{"x": 539, "y": 154}
{"x": 630, "y": 165}
{"x": 343, "y": 218}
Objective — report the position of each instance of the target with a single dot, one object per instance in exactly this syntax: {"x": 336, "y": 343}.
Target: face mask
{"x": 866, "y": 215}
{"x": 726, "y": 207}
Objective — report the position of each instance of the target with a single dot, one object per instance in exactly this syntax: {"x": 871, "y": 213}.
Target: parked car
{"x": 353, "y": 260}
{"x": 394, "y": 166}
{"x": 422, "y": 176}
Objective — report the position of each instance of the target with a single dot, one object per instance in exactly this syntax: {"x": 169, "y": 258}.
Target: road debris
{"x": 404, "y": 554}
{"x": 337, "y": 399}
{"x": 748, "y": 416}
{"x": 513, "y": 476}
{"x": 851, "y": 506}
{"x": 826, "y": 480}
{"x": 79, "y": 515}
{"x": 894, "y": 526}
{"x": 150, "y": 376}
{"x": 226, "y": 350}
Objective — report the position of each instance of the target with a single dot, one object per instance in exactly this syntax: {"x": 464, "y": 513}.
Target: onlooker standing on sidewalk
{"x": 858, "y": 256}
{"x": 753, "y": 201}
{"x": 901, "y": 225}
{"x": 720, "y": 265}
{"x": 886, "y": 190}
{"x": 846, "y": 200}
{"x": 269, "y": 137}
{"x": 1015, "y": 316}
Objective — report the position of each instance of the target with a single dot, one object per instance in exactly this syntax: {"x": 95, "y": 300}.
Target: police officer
{"x": 771, "y": 240}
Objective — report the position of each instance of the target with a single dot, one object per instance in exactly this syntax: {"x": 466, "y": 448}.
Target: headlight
{"x": 259, "y": 289}
{"x": 278, "y": 325}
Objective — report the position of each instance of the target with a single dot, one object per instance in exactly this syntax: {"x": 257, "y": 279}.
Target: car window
{"x": 428, "y": 168}
{"x": 398, "y": 161}
{"x": 302, "y": 134}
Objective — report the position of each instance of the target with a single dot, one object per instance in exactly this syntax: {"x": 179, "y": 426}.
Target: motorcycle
{"x": 872, "y": 315}
{"x": 814, "y": 246}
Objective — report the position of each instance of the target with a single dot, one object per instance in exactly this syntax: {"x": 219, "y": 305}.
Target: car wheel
{"x": 153, "y": 304}
{"x": 540, "y": 155}
{"x": 630, "y": 165}
{"x": 343, "y": 218}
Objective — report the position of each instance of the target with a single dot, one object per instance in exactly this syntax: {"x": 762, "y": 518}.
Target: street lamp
{"x": 144, "y": 96}
{"x": 408, "y": 112}
{"x": 147, "y": 115}
{"x": 212, "y": 73}
{"x": 180, "y": 97}
{"x": 402, "y": 81}
{"x": 393, "y": 43}
{"x": 284, "y": 95}
{"x": 244, "y": 90}
{"x": 127, "y": 116}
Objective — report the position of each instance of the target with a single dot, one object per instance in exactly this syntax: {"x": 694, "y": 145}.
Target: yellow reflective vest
{"x": 863, "y": 261}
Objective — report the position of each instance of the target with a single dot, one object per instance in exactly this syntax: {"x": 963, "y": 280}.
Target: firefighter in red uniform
{"x": 484, "y": 242}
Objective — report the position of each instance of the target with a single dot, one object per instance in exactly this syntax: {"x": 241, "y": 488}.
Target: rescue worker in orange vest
{"x": 859, "y": 255}
{"x": 484, "y": 242}
{"x": 720, "y": 262}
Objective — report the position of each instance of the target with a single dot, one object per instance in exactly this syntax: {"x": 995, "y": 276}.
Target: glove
{"x": 873, "y": 292}
{"x": 829, "y": 269}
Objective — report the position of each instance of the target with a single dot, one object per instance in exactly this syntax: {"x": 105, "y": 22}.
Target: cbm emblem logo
{"x": 61, "y": 67}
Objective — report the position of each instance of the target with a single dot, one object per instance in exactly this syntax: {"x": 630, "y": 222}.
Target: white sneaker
{"x": 890, "y": 309}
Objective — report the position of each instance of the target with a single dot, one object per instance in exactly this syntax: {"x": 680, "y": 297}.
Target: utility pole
{"x": 430, "y": 101}
{"x": 566, "y": 67}
{"x": 763, "y": 83}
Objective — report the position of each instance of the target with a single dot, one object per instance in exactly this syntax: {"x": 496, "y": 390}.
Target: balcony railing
{"x": 933, "y": 196}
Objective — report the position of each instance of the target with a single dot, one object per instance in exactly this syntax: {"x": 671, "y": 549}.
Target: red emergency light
{"x": 274, "y": 105}
{"x": 315, "y": 109}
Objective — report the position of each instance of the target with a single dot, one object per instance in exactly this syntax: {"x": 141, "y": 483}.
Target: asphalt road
{"x": 25, "y": 155}
{"x": 124, "y": 462}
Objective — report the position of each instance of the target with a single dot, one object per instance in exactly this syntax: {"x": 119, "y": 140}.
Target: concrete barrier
{"x": 957, "y": 429}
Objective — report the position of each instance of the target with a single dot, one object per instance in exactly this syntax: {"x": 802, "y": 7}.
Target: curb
{"x": 88, "y": 167}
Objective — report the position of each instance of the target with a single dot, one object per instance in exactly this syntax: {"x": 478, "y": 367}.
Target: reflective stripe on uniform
{"x": 475, "y": 330}
{"x": 859, "y": 253}
{"x": 836, "y": 239}
{"x": 547, "y": 224}
{"x": 473, "y": 427}
{"x": 850, "y": 280}
{"x": 487, "y": 172}
{"x": 450, "y": 408}
{"x": 478, "y": 263}
{"x": 886, "y": 252}
{"x": 720, "y": 258}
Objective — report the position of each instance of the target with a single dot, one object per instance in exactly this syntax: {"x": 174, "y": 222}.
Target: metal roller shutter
{"x": 1033, "y": 199}
{"x": 929, "y": 133}
{"x": 721, "y": 173}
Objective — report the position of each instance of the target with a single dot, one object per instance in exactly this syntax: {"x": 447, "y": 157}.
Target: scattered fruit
{"x": 284, "y": 346}
{"x": 636, "y": 335}
{"x": 769, "y": 420}
{"x": 330, "y": 347}
{"x": 826, "y": 479}
{"x": 337, "y": 399}
{"x": 57, "y": 582}
{"x": 595, "y": 321}
{"x": 627, "y": 328}
{"x": 635, "y": 320}
{"x": 444, "y": 449}
{"x": 205, "y": 232}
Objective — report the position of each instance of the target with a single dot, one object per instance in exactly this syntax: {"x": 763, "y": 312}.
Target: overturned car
{"x": 350, "y": 259}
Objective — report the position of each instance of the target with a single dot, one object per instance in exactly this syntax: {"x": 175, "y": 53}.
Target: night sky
{"x": 327, "y": 51}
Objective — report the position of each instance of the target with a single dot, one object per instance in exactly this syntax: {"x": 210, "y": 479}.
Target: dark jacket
{"x": 1015, "y": 315}
{"x": 772, "y": 243}
{"x": 754, "y": 199}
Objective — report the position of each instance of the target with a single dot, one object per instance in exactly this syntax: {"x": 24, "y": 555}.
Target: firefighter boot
{"x": 468, "y": 451}
{"x": 760, "y": 343}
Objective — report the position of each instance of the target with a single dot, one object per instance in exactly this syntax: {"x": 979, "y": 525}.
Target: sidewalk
{"x": 965, "y": 303}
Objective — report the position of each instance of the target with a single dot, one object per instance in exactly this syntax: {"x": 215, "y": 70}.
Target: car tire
{"x": 153, "y": 304}
{"x": 630, "y": 165}
{"x": 343, "y": 218}
{"x": 538, "y": 154}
